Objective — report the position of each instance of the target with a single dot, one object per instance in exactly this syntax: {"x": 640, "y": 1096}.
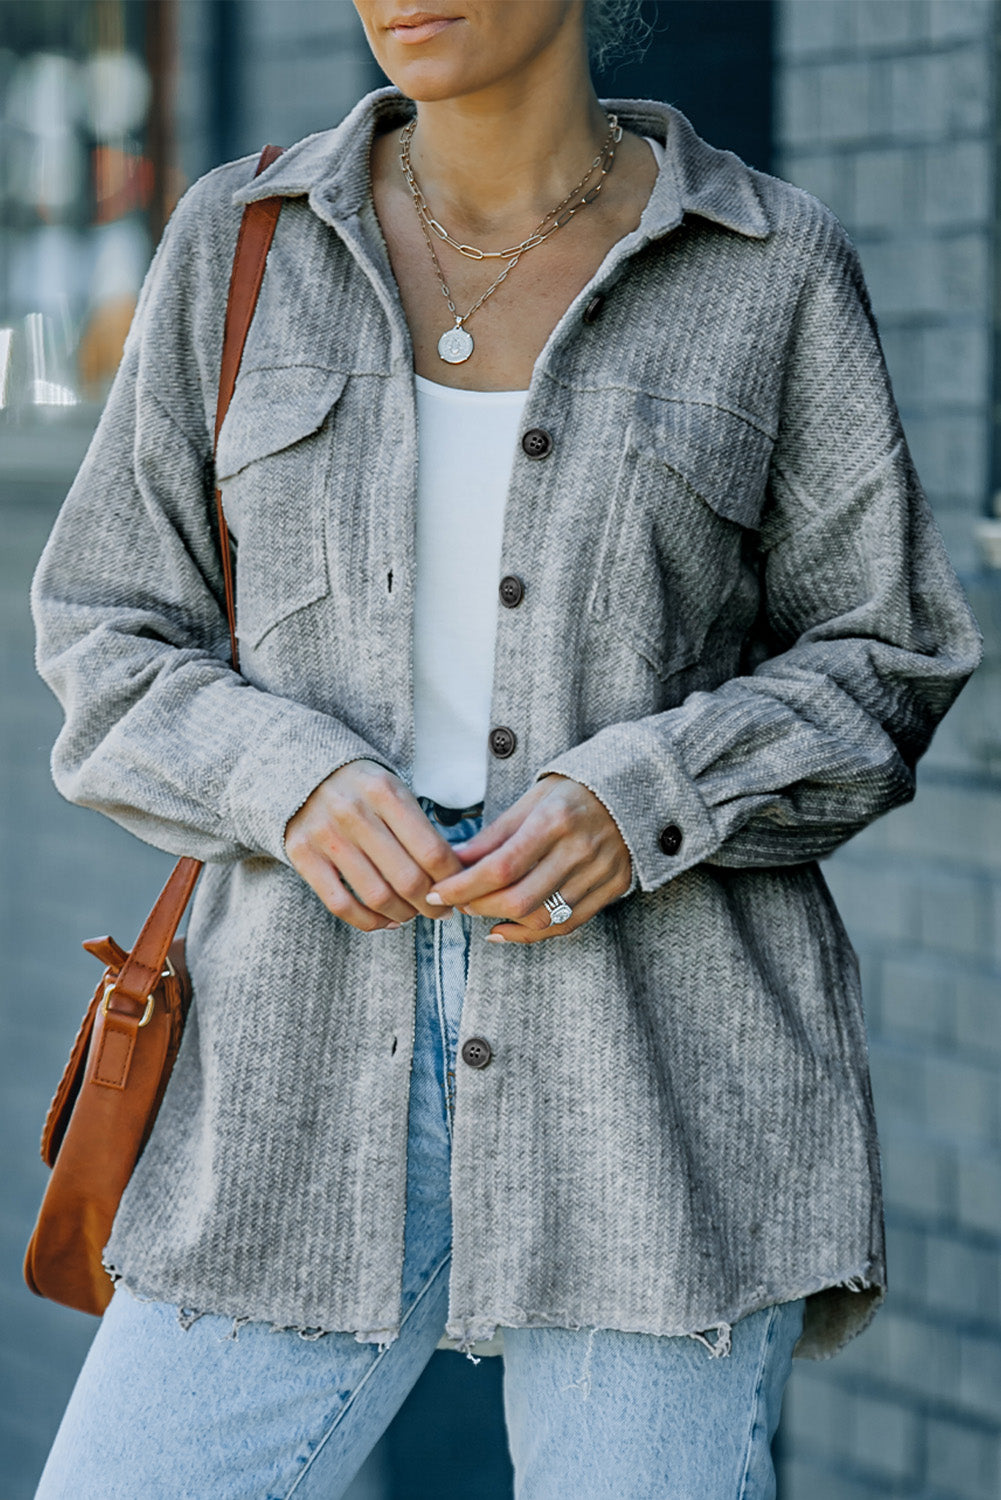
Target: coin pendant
{"x": 455, "y": 345}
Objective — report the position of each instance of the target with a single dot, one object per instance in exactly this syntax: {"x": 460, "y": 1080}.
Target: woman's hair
{"x": 615, "y": 28}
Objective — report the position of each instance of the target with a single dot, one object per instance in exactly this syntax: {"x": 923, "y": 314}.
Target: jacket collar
{"x": 331, "y": 168}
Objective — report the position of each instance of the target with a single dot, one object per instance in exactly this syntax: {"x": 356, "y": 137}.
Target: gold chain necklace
{"x": 456, "y": 343}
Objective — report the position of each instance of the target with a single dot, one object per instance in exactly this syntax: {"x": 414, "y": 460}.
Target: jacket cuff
{"x": 272, "y": 780}
{"x": 656, "y": 806}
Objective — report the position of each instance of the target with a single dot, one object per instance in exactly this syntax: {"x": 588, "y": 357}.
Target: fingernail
{"x": 434, "y": 899}
{"x": 392, "y": 926}
{"x": 466, "y": 910}
{"x": 495, "y": 937}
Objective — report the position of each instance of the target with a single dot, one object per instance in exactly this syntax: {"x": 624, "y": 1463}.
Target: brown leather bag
{"x": 118, "y": 1069}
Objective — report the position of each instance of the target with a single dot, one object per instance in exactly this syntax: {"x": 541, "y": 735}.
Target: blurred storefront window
{"x": 86, "y": 183}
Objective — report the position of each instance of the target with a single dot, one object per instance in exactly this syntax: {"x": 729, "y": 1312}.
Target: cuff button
{"x": 670, "y": 839}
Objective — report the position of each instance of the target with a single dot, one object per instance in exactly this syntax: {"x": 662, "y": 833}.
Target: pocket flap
{"x": 720, "y": 455}
{"x": 273, "y": 408}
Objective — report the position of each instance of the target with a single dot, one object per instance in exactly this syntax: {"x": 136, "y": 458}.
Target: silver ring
{"x": 558, "y": 909}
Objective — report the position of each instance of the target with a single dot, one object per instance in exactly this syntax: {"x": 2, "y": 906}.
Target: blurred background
{"x": 889, "y": 111}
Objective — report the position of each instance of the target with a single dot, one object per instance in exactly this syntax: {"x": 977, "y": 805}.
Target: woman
{"x": 626, "y": 1127}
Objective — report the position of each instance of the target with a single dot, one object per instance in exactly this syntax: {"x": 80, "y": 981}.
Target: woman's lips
{"x": 423, "y": 30}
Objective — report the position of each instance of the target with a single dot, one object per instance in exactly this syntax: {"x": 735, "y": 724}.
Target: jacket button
{"x": 512, "y": 591}
{"x": 594, "y": 307}
{"x": 670, "y": 839}
{"x": 502, "y": 741}
{"x": 537, "y": 442}
{"x": 476, "y": 1051}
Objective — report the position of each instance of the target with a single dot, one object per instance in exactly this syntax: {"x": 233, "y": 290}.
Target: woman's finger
{"x": 422, "y": 844}
{"x": 322, "y": 877}
{"x": 584, "y": 906}
{"x": 494, "y": 834}
{"x": 349, "y": 820}
{"x": 563, "y": 868}
{"x": 373, "y": 887}
{"x": 532, "y": 839}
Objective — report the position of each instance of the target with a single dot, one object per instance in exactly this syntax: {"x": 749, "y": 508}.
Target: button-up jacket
{"x": 738, "y": 627}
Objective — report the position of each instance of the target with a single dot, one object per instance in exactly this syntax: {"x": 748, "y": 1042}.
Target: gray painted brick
{"x": 899, "y": 1083}
{"x": 867, "y": 1357}
{"x": 962, "y": 1459}
{"x": 886, "y": 1438}
{"x": 886, "y": 188}
{"x": 886, "y": 24}
{"x": 968, "y": 90}
{"x": 817, "y": 1413}
{"x": 980, "y": 1374}
{"x": 917, "y": 1001}
{"x": 797, "y": 109}
{"x": 956, "y": 362}
{"x": 962, "y": 1099}
{"x": 950, "y": 20}
{"x": 978, "y": 1010}
{"x": 889, "y": 107}
{"x": 921, "y": 275}
{"x": 955, "y": 182}
{"x": 995, "y": 917}
{"x": 957, "y": 824}
{"x": 872, "y": 899}
{"x": 950, "y": 452}
{"x": 960, "y": 543}
{"x": 971, "y": 733}
{"x": 962, "y": 267}
{"x": 919, "y": 1176}
{"x": 849, "y": 101}
{"x": 906, "y": 1257}
{"x": 806, "y": 1481}
{"x": 924, "y": 1358}
{"x": 936, "y": 95}
{"x": 979, "y": 1185}
{"x": 825, "y": 174}
{"x": 962, "y": 1278}
{"x": 808, "y": 26}
{"x": 904, "y": 348}
{"x": 954, "y": 913}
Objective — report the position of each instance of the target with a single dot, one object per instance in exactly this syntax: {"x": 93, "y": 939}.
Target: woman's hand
{"x": 558, "y": 836}
{"x": 364, "y": 827}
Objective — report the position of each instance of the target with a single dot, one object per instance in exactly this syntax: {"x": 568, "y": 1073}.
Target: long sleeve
{"x": 870, "y": 636}
{"x": 160, "y": 733}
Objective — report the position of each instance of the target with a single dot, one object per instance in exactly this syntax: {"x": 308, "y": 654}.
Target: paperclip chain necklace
{"x": 456, "y": 343}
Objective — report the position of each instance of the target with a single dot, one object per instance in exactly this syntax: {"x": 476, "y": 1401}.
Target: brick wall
{"x": 886, "y": 110}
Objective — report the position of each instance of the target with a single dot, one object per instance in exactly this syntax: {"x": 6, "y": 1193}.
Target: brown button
{"x": 537, "y": 442}
{"x": 594, "y": 307}
{"x": 670, "y": 838}
{"x": 476, "y": 1051}
{"x": 512, "y": 591}
{"x": 502, "y": 741}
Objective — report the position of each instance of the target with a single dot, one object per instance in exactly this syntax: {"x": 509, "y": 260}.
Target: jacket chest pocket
{"x": 273, "y": 464}
{"x": 680, "y": 531}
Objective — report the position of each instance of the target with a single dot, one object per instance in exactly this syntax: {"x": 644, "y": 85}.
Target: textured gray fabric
{"x": 739, "y": 618}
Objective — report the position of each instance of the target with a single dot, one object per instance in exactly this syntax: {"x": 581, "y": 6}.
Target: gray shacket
{"x": 739, "y": 629}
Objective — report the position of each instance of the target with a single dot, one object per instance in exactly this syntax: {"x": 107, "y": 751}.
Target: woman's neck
{"x": 493, "y": 163}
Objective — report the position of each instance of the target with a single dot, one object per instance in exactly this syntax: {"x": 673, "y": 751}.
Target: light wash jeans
{"x": 167, "y": 1412}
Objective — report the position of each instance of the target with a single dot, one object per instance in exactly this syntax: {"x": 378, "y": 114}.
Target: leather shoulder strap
{"x": 144, "y": 965}
{"x": 257, "y": 229}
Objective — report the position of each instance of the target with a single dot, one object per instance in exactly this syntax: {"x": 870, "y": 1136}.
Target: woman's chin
{"x": 430, "y": 81}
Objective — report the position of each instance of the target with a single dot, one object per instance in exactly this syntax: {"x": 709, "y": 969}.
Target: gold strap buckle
{"x": 109, "y": 990}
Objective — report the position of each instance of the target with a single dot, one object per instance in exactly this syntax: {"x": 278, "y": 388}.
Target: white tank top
{"x": 466, "y": 442}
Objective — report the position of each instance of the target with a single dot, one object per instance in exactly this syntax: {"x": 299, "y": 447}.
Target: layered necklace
{"x": 456, "y": 343}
